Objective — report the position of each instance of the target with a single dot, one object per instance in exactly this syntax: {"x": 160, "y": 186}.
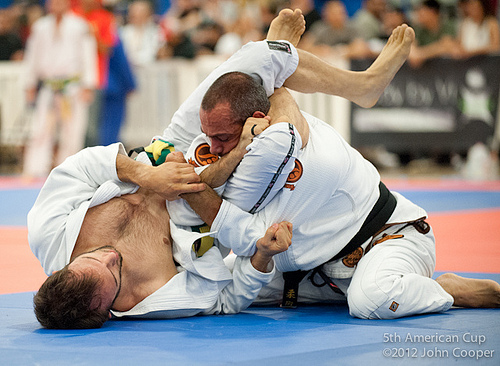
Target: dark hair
{"x": 432, "y": 4}
{"x": 67, "y": 300}
{"x": 488, "y": 8}
{"x": 244, "y": 95}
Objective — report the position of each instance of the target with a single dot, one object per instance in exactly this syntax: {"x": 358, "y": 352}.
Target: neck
{"x": 58, "y": 17}
{"x": 137, "y": 285}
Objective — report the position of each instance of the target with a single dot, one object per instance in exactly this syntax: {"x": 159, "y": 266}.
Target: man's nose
{"x": 216, "y": 148}
{"x": 110, "y": 258}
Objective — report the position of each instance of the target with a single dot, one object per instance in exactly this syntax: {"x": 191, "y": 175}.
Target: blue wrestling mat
{"x": 308, "y": 335}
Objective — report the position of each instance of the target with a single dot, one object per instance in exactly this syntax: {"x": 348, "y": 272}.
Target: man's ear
{"x": 258, "y": 114}
{"x": 54, "y": 272}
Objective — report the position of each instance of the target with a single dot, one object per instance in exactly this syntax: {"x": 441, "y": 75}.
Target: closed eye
{"x": 97, "y": 260}
{"x": 221, "y": 139}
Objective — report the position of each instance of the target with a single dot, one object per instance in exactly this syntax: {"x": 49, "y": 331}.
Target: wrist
{"x": 261, "y": 262}
{"x": 131, "y": 171}
{"x": 239, "y": 151}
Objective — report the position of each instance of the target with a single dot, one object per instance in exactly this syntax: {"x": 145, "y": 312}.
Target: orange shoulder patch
{"x": 203, "y": 156}
{"x": 296, "y": 173}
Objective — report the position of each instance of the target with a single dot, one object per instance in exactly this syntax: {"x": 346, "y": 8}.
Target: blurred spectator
{"x": 11, "y": 45}
{"x": 479, "y": 31}
{"x": 368, "y": 20}
{"x": 311, "y": 14}
{"x": 393, "y": 17}
{"x": 206, "y": 36}
{"x": 60, "y": 54}
{"x": 242, "y": 31}
{"x": 121, "y": 83}
{"x": 102, "y": 24}
{"x": 141, "y": 37}
{"x": 434, "y": 36}
{"x": 269, "y": 9}
{"x": 178, "y": 24}
{"x": 334, "y": 34}
{"x": 32, "y": 12}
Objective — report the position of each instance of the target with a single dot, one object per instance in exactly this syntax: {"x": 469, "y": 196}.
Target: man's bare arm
{"x": 205, "y": 203}
{"x": 277, "y": 239}
{"x": 285, "y": 109}
{"x": 168, "y": 180}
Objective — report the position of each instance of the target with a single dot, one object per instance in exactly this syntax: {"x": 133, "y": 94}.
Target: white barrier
{"x": 12, "y": 101}
{"x": 162, "y": 87}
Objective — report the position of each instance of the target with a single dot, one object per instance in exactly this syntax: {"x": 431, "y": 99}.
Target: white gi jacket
{"x": 327, "y": 204}
{"x": 203, "y": 285}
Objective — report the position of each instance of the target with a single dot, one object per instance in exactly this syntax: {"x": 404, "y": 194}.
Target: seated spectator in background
{"x": 434, "y": 36}
{"x": 178, "y": 24}
{"x": 368, "y": 20}
{"x": 311, "y": 14}
{"x": 335, "y": 35}
{"x": 11, "y": 44}
{"x": 206, "y": 36}
{"x": 238, "y": 33}
{"x": 268, "y": 11}
{"x": 479, "y": 30}
{"x": 392, "y": 18}
{"x": 141, "y": 37}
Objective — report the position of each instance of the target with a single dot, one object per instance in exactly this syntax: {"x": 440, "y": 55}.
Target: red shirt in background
{"x": 102, "y": 24}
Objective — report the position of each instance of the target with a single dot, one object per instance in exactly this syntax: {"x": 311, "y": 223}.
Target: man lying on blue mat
{"x": 85, "y": 207}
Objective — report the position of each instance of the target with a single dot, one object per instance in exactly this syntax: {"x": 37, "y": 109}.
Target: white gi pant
{"x": 58, "y": 118}
{"x": 394, "y": 278}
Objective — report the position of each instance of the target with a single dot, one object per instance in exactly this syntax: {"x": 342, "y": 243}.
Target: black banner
{"x": 444, "y": 106}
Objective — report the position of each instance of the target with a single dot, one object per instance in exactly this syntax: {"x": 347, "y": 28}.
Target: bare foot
{"x": 387, "y": 64}
{"x": 289, "y": 25}
{"x": 470, "y": 292}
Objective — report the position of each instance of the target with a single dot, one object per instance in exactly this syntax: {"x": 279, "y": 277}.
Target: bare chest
{"x": 138, "y": 226}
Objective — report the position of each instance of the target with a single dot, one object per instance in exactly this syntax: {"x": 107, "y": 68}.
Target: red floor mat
{"x": 20, "y": 271}
{"x": 467, "y": 241}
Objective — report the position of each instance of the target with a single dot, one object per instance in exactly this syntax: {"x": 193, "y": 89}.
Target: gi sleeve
{"x": 264, "y": 170}
{"x": 237, "y": 229}
{"x": 242, "y": 291}
{"x": 83, "y": 180}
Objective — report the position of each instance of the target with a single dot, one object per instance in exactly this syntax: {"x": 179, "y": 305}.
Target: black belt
{"x": 376, "y": 219}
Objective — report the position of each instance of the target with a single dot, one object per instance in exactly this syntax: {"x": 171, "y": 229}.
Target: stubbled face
{"x": 105, "y": 263}
{"x": 219, "y": 126}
